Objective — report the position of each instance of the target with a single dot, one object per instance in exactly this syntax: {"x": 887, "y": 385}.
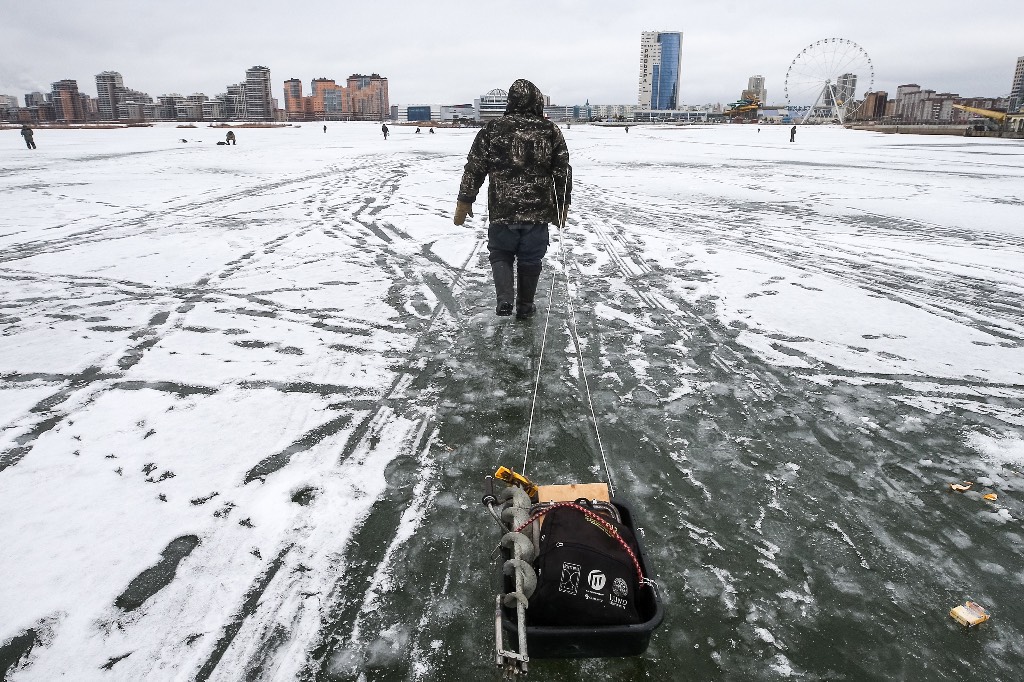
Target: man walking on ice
{"x": 26, "y": 132}
{"x": 531, "y": 182}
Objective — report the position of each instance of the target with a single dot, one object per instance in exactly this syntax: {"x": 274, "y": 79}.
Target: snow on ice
{"x": 247, "y": 393}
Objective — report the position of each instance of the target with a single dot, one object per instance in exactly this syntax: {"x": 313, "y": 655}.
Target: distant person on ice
{"x": 230, "y": 138}
{"x": 531, "y": 183}
{"x": 27, "y": 133}
{"x": 325, "y": 129}
{"x": 384, "y": 129}
{"x": 792, "y": 134}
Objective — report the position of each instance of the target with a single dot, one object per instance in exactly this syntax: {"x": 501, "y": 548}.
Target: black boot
{"x": 503, "y": 286}
{"x": 529, "y": 275}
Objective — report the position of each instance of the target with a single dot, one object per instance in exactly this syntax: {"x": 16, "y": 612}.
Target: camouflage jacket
{"x": 526, "y": 158}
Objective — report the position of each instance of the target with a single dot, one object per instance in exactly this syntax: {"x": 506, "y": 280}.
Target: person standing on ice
{"x": 792, "y": 134}
{"x": 384, "y": 129}
{"x": 531, "y": 181}
{"x": 27, "y": 133}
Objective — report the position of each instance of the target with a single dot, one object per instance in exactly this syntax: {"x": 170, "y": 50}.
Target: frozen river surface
{"x": 248, "y": 396}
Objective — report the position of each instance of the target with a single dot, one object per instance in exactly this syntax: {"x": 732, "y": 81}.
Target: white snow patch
{"x": 999, "y": 450}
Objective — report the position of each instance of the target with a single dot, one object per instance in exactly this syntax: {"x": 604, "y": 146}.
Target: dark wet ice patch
{"x": 16, "y": 650}
{"x": 114, "y": 660}
{"x": 305, "y": 495}
{"x": 252, "y": 343}
{"x": 157, "y": 577}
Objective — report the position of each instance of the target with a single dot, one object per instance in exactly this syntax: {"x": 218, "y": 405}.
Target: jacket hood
{"x": 525, "y": 98}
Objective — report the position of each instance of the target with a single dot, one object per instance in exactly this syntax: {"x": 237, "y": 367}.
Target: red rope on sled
{"x": 609, "y": 528}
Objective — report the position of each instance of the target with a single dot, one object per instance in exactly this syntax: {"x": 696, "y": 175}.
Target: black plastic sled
{"x": 605, "y": 641}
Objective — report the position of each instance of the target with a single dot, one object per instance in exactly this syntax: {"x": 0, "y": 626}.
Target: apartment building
{"x": 109, "y": 88}
{"x": 67, "y": 101}
{"x": 37, "y": 109}
{"x": 329, "y": 101}
{"x": 134, "y": 105}
{"x": 191, "y": 108}
{"x": 606, "y": 112}
{"x": 368, "y": 97}
{"x": 914, "y": 105}
{"x": 131, "y": 111}
{"x": 166, "y": 106}
{"x": 1017, "y": 89}
{"x": 293, "y": 100}
{"x": 234, "y": 102}
{"x": 213, "y": 110}
{"x": 362, "y": 98}
{"x": 873, "y": 106}
{"x": 755, "y": 89}
{"x": 259, "y": 104}
{"x": 115, "y": 102}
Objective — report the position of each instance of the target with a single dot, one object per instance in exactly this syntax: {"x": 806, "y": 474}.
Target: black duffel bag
{"x": 585, "y": 574}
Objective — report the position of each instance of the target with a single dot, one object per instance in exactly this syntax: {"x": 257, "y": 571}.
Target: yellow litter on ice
{"x": 970, "y": 614}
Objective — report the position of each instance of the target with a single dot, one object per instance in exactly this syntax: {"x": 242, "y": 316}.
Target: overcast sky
{"x": 446, "y": 52}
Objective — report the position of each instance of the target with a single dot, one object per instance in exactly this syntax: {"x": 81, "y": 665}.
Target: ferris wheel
{"x": 822, "y": 81}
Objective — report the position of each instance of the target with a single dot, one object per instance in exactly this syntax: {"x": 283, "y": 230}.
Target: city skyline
{"x": 365, "y": 97}
{"x": 451, "y": 52}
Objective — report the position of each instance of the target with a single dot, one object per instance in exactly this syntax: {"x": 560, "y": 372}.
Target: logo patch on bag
{"x": 570, "y": 583}
{"x": 619, "y": 587}
{"x": 596, "y": 580}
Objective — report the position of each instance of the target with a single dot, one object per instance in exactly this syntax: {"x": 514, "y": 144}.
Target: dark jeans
{"x": 527, "y": 242}
{"x": 30, "y": 143}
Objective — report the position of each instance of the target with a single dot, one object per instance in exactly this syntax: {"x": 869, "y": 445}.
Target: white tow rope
{"x": 574, "y": 332}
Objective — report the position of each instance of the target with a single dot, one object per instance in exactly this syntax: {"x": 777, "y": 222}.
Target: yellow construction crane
{"x": 987, "y": 113}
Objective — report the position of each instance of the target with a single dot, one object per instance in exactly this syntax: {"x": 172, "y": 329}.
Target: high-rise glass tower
{"x": 660, "y": 59}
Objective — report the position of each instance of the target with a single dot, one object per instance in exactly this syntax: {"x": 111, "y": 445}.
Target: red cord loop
{"x": 609, "y": 528}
